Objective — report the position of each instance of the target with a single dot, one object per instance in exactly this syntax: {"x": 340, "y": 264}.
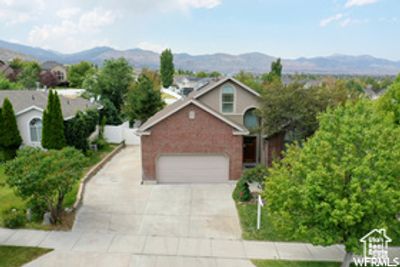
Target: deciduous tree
{"x": 142, "y": 100}
{"x": 78, "y": 72}
{"x": 45, "y": 176}
{"x": 343, "y": 183}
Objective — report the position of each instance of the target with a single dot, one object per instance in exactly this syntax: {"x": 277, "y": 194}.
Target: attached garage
{"x": 192, "y": 168}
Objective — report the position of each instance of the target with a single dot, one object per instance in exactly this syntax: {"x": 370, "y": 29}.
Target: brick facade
{"x": 203, "y": 134}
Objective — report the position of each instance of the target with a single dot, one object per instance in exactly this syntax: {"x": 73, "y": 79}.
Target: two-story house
{"x": 205, "y": 137}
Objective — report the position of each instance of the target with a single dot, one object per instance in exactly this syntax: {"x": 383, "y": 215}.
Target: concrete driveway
{"x": 116, "y": 202}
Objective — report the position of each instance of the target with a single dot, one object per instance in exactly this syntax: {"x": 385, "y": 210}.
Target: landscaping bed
{"x": 17, "y": 256}
{"x": 8, "y": 199}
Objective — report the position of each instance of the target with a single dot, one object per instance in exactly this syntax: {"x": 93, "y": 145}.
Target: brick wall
{"x": 179, "y": 134}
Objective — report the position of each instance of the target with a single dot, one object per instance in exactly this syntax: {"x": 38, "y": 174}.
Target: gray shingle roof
{"x": 169, "y": 110}
{"x": 24, "y": 99}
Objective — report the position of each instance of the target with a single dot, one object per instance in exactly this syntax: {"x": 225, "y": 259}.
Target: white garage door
{"x": 193, "y": 169}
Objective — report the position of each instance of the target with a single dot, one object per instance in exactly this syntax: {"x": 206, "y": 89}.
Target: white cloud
{"x": 73, "y": 35}
{"x": 199, "y": 3}
{"x": 352, "y": 3}
{"x": 151, "y": 46}
{"x": 325, "y": 22}
{"x": 15, "y": 12}
{"x": 68, "y": 13}
{"x": 96, "y": 19}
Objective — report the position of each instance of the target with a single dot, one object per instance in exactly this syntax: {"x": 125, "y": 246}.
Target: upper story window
{"x": 228, "y": 99}
{"x": 59, "y": 75}
{"x": 251, "y": 120}
{"x": 35, "y": 127}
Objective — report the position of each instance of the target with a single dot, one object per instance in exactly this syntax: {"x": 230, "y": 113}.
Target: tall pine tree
{"x": 167, "y": 68}
{"x": 53, "y": 124}
{"x": 10, "y": 139}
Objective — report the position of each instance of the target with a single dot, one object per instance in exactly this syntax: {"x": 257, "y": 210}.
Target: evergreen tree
{"x": 10, "y": 139}
{"x": 167, "y": 68}
{"x": 143, "y": 101}
{"x": 53, "y": 124}
{"x": 275, "y": 74}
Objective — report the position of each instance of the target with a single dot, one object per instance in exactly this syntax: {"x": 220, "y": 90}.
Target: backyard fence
{"x": 120, "y": 133}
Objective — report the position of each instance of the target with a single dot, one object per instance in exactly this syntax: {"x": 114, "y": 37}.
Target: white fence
{"x": 119, "y": 133}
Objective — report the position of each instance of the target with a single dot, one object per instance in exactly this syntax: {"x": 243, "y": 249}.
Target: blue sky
{"x": 285, "y": 28}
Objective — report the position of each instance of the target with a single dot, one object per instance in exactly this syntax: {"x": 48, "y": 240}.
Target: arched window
{"x": 228, "y": 99}
{"x": 35, "y": 127}
{"x": 251, "y": 121}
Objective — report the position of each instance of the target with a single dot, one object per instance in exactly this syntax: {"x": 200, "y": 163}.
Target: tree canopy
{"x": 167, "y": 68}
{"x": 343, "y": 182}
{"x": 142, "y": 100}
{"x": 45, "y": 176}
{"x": 113, "y": 81}
{"x": 78, "y": 72}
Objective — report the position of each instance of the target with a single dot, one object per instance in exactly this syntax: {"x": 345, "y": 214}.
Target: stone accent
{"x": 178, "y": 134}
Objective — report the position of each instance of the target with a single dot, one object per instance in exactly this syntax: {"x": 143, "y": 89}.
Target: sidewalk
{"x": 120, "y": 249}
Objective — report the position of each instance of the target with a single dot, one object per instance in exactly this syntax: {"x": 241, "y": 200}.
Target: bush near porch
{"x": 9, "y": 200}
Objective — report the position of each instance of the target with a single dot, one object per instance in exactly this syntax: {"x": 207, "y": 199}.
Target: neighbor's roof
{"x": 191, "y": 99}
{"x": 48, "y": 65}
{"x": 25, "y": 100}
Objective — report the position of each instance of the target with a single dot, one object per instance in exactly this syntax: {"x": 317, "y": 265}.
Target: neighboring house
{"x": 58, "y": 70}
{"x": 187, "y": 84}
{"x": 205, "y": 137}
{"x": 29, "y": 106}
{"x": 369, "y": 91}
{"x": 169, "y": 96}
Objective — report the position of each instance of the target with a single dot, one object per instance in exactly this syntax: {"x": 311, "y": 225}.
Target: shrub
{"x": 14, "y": 218}
{"x": 255, "y": 175}
{"x": 242, "y": 191}
{"x": 101, "y": 143}
{"x": 38, "y": 209}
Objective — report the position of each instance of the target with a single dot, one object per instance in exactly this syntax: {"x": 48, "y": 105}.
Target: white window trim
{"x": 221, "y": 90}
{"x": 29, "y": 130}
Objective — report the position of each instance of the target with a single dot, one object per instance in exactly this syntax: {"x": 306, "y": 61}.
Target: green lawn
{"x": 8, "y": 198}
{"x": 278, "y": 263}
{"x": 18, "y": 256}
{"x": 248, "y": 221}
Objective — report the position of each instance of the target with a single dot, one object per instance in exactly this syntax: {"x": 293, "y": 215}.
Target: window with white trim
{"x": 35, "y": 127}
{"x": 228, "y": 99}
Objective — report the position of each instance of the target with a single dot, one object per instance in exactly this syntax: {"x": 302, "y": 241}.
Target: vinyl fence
{"x": 119, "y": 133}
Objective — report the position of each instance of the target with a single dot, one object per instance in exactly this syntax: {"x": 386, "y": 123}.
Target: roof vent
{"x": 33, "y": 98}
{"x": 68, "y": 102}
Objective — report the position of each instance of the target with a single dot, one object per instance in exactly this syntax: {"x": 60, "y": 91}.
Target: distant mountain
{"x": 225, "y": 63}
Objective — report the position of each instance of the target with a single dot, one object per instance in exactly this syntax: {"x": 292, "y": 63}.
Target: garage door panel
{"x": 192, "y": 169}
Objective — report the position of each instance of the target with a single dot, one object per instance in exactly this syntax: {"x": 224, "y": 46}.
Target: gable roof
{"x": 214, "y": 84}
{"x": 48, "y": 65}
{"x": 180, "y": 104}
{"x": 25, "y": 100}
{"x": 191, "y": 99}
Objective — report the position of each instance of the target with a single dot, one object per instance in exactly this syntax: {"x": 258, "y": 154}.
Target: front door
{"x": 250, "y": 150}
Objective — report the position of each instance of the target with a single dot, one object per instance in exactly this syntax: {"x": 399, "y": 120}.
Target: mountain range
{"x": 251, "y": 62}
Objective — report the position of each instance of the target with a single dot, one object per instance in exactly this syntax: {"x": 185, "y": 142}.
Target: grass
{"x": 248, "y": 220}
{"x": 18, "y": 256}
{"x": 8, "y": 199}
{"x": 278, "y": 263}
